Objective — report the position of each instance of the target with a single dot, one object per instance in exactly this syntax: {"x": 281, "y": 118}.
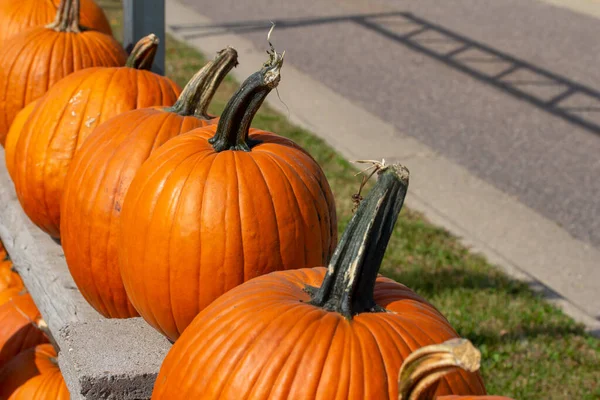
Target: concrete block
{"x": 99, "y": 358}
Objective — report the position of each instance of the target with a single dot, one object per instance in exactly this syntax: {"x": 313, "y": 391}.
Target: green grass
{"x": 530, "y": 349}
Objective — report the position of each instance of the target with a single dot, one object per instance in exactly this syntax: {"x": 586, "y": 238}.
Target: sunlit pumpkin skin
{"x": 227, "y": 210}
{"x": 19, "y": 318}
{"x": 25, "y": 366}
{"x": 66, "y": 116}
{"x": 340, "y": 332}
{"x": 48, "y": 386}
{"x": 7, "y": 294}
{"x": 13, "y": 135}
{"x": 99, "y": 177}
{"x": 19, "y": 16}
{"x": 8, "y": 277}
{"x": 35, "y": 60}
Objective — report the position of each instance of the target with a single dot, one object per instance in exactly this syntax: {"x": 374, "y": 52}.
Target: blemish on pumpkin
{"x": 90, "y": 121}
{"x": 76, "y": 98}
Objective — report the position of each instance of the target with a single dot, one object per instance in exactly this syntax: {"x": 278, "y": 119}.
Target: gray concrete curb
{"x": 526, "y": 245}
{"x": 99, "y": 358}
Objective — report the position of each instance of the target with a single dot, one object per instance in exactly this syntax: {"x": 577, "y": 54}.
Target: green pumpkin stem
{"x": 199, "y": 91}
{"x": 349, "y": 284}
{"x": 67, "y": 17}
{"x": 142, "y": 55}
{"x": 234, "y": 126}
{"x": 422, "y": 370}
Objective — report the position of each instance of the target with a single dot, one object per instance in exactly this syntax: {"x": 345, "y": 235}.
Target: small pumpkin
{"x": 101, "y": 172}
{"x": 19, "y": 327}
{"x": 422, "y": 370}
{"x": 66, "y": 116}
{"x": 35, "y": 60}
{"x": 19, "y": 16}
{"x": 25, "y": 366}
{"x": 315, "y": 333}
{"x": 228, "y": 203}
{"x": 12, "y": 137}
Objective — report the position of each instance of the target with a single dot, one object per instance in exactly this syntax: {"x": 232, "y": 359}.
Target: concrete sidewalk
{"x": 525, "y": 244}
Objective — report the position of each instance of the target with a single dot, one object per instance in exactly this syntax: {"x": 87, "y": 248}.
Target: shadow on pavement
{"x": 551, "y": 92}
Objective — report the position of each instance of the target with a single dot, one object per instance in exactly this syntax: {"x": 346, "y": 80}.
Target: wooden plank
{"x": 141, "y": 18}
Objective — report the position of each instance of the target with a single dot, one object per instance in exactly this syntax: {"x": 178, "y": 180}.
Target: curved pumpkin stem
{"x": 67, "y": 17}
{"x": 234, "y": 125}
{"x": 349, "y": 283}
{"x": 421, "y": 371}
{"x": 199, "y": 91}
{"x": 143, "y": 53}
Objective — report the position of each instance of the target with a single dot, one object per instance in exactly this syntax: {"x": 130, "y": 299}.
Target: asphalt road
{"x": 509, "y": 89}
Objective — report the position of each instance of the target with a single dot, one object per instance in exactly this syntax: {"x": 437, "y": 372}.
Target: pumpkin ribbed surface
{"x": 48, "y": 386}
{"x": 222, "y": 219}
{"x": 62, "y": 121}
{"x": 35, "y": 60}
{"x": 19, "y": 16}
{"x": 25, "y": 366}
{"x": 14, "y": 132}
{"x": 262, "y": 341}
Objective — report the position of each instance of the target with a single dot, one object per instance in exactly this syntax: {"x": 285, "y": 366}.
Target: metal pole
{"x": 141, "y": 18}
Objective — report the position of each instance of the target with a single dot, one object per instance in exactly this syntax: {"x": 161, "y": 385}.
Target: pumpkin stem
{"x": 234, "y": 125}
{"x": 67, "y": 17}
{"x": 349, "y": 284}
{"x": 142, "y": 54}
{"x": 199, "y": 91}
{"x": 421, "y": 371}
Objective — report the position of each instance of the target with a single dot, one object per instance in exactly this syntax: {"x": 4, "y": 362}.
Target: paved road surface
{"x": 510, "y": 89}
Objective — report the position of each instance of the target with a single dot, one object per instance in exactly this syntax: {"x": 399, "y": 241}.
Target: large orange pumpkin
{"x": 99, "y": 177}
{"x": 19, "y": 319}
{"x": 242, "y": 204}
{"x": 14, "y": 132}
{"x": 35, "y": 60}
{"x": 25, "y": 366}
{"x": 315, "y": 333}
{"x": 65, "y": 117}
{"x": 19, "y": 16}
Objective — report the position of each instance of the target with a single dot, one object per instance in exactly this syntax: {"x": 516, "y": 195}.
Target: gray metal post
{"x": 141, "y": 18}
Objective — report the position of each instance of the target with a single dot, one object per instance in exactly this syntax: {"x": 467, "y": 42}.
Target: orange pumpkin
{"x": 101, "y": 172}
{"x": 422, "y": 370}
{"x": 7, "y": 294}
{"x": 13, "y": 135}
{"x": 25, "y": 366}
{"x": 48, "y": 386}
{"x": 35, "y": 60}
{"x": 242, "y": 204}
{"x": 19, "y": 319}
{"x": 19, "y": 16}
{"x": 66, "y": 116}
{"x": 8, "y": 277}
{"x": 317, "y": 333}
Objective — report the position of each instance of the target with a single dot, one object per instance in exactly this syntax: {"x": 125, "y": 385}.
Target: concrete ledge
{"x": 99, "y": 358}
